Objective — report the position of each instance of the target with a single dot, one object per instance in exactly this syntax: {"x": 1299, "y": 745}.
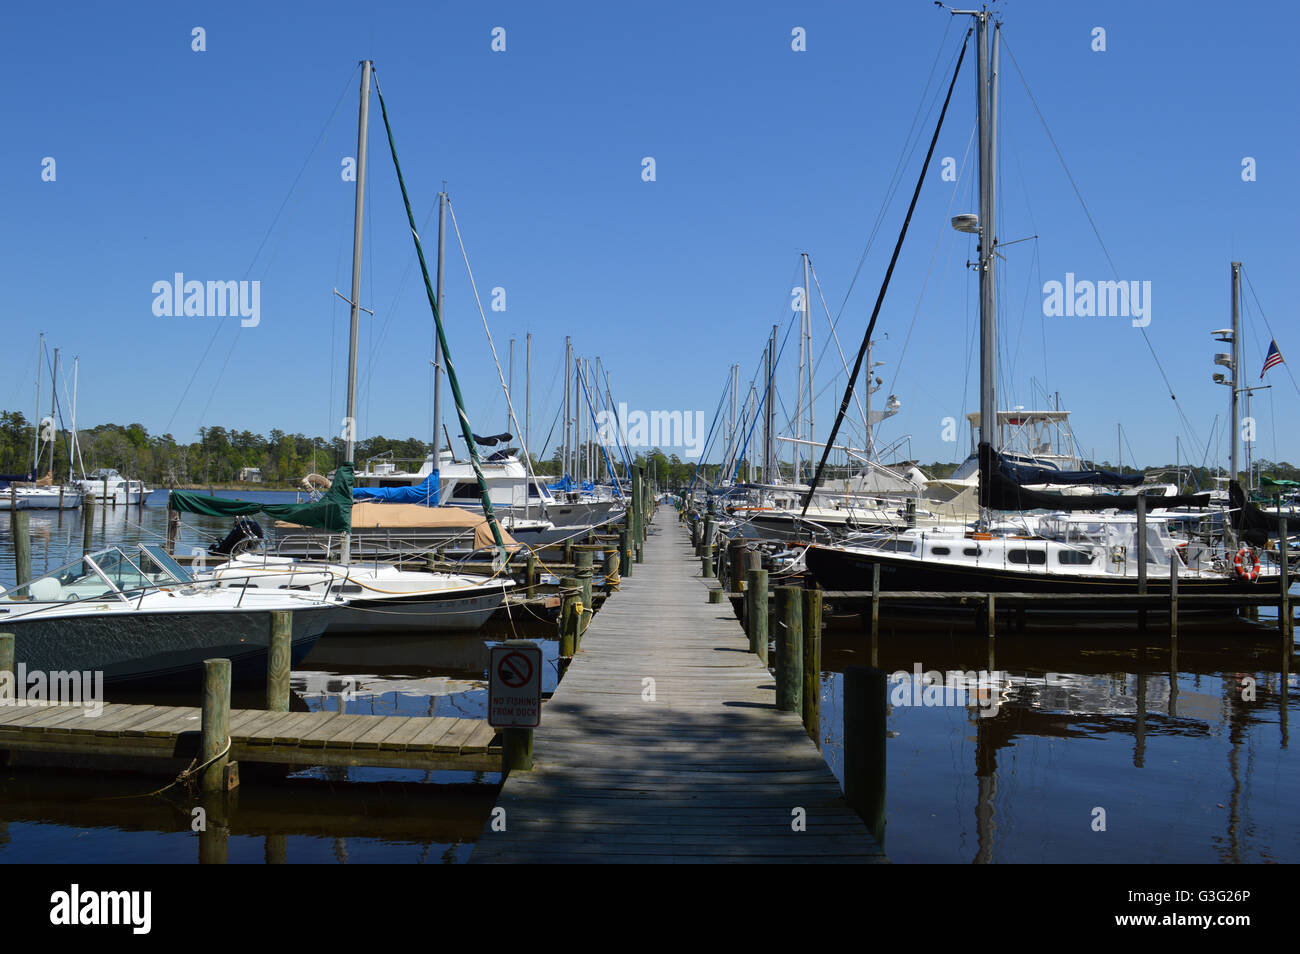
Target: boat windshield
{"x": 106, "y": 574}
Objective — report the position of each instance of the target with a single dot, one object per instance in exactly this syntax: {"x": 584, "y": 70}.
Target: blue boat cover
{"x": 425, "y": 492}
{"x": 565, "y": 484}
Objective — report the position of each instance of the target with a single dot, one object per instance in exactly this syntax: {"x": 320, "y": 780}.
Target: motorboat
{"x": 138, "y": 616}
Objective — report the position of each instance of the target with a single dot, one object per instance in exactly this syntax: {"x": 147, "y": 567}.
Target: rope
{"x": 184, "y": 777}
{"x": 510, "y": 404}
{"x": 1187, "y": 424}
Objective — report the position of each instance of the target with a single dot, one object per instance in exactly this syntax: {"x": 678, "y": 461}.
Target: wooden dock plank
{"x": 708, "y": 770}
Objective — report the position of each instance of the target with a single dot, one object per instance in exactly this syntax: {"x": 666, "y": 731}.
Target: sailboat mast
{"x": 528, "y": 395}
{"x": 987, "y": 91}
{"x": 349, "y": 424}
{"x": 1236, "y": 365}
{"x": 36, "y": 418}
{"x": 807, "y": 316}
{"x": 54, "y": 406}
{"x": 565, "y": 458}
{"x": 437, "y": 344}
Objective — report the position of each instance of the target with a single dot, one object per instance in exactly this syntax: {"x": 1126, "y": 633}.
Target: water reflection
{"x": 1180, "y": 750}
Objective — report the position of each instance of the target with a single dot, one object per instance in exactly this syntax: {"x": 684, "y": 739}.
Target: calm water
{"x": 1185, "y": 769}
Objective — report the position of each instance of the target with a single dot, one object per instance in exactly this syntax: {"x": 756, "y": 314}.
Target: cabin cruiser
{"x": 107, "y": 483}
{"x": 138, "y": 616}
{"x": 512, "y": 491}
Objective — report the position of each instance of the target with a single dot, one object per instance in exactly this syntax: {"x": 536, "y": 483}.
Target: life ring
{"x": 1246, "y": 564}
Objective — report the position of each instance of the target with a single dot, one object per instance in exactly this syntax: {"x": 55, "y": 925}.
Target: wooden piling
{"x": 215, "y": 725}
{"x": 736, "y": 550}
{"x": 6, "y": 667}
{"x": 88, "y": 525}
{"x": 624, "y": 553}
{"x": 532, "y": 574}
{"x": 611, "y": 570}
{"x": 20, "y": 528}
{"x": 789, "y": 649}
{"x": 1142, "y": 555}
{"x": 279, "y": 661}
{"x": 875, "y": 600}
{"x": 583, "y": 561}
{"x": 756, "y": 613}
{"x": 569, "y": 616}
{"x": 865, "y": 694}
{"x": 516, "y": 750}
{"x": 706, "y": 567}
{"x": 214, "y": 836}
{"x": 173, "y": 529}
{"x": 812, "y": 664}
{"x": 1284, "y": 622}
{"x": 1173, "y": 596}
{"x": 715, "y": 596}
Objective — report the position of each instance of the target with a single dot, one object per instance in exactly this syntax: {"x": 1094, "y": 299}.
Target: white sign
{"x": 515, "y": 686}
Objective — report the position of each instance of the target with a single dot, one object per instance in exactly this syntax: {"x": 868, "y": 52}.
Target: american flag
{"x": 1273, "y": 357}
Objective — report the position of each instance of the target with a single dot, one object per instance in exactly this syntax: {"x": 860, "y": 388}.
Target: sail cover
{"x": 1029, "y": 474}
{"x": 333, "y": 511}
{"x": 425, "y": 492}
{"x": 1000, "y": 489}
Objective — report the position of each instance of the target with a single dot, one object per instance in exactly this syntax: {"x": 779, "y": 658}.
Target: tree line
{"x": 221, "y": 454}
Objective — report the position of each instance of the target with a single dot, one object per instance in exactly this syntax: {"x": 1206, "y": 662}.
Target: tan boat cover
{"x": 371, "y": 515}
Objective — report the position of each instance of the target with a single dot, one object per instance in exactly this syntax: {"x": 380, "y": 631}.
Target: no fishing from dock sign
{"x": 515, "y": 685}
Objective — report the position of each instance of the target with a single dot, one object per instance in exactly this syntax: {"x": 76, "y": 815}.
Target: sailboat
{"x": 381, "y": 598}
{"x": 1074, "y": 546}
{"x": 28, "y": 491}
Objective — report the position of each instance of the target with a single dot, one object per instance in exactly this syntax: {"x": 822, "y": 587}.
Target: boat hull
{"x": 837, "y": 569}
{"x": 422, "y": 613}
{"x": 161, "y": 647}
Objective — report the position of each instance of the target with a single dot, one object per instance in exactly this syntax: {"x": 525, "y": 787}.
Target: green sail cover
{"x": 332, "y": 512}
{"x": 1270, "y": 482}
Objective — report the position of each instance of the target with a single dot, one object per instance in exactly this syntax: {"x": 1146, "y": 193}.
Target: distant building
{"x": 250, "y": 475}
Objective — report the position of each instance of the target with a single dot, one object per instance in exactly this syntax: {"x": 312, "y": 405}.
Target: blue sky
{"x": 170, "y": 160}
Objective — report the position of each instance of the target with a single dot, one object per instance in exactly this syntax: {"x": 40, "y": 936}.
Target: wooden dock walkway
{"x": 696, "y": 766}
{"x": 256, "y": 735}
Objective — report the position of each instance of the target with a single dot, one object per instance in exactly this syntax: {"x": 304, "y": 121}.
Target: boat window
{"x": 155, "y": 555}
{"x": 971, "y": 551}
{"x": 1074, "y": 558}
{"x": 465, "y": 492}
{"x": 940, "y": 551}
{"x": 1034, "y": 557}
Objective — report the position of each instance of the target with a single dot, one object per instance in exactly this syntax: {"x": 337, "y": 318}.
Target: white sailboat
{"x": 381, "y": 598}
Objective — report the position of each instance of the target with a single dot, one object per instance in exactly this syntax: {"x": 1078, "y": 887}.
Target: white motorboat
{"x": 107, "y": 484}
{"x": 380, "y": 598}
{"x": 138, "y": 616}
